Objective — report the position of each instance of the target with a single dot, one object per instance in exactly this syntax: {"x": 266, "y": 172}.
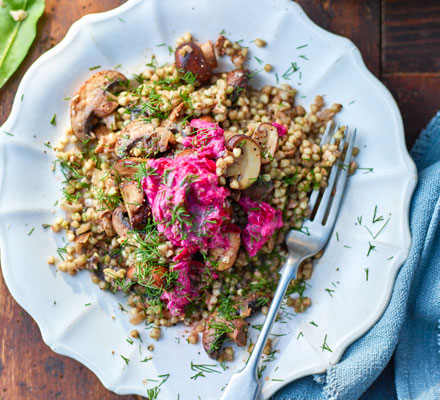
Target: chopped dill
{"x": 330, "y": 291}
{"x": 325, "y": 345}
{"x": 370, "y": 248}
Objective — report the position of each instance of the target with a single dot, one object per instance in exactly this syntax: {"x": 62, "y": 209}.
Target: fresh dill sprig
{"x": 325, "y": 345}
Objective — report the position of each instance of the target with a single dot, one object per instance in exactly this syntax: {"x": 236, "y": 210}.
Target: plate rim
{"x": 408, "y": 189}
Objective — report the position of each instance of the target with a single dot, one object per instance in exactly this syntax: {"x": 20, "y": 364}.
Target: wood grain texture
{"x": 58, "y": 16}
{"x": 29, "y": 370}
{"x": 399, "y": 40}
{"x": 418, "y": 97}
{"x": 357, "y": 20}
{"x": 411, "y": 36}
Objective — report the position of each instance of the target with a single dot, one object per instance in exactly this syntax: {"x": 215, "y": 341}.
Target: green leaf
{"x": 16, "y": 37}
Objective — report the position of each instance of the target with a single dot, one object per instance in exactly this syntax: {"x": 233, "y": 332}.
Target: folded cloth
{"x": 410, "y": 326}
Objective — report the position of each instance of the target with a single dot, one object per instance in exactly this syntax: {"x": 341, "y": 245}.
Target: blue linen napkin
{"x": 410, "y": 326}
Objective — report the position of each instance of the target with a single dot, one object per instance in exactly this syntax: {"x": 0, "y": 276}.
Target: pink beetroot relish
{"x": 193, "y": 212}
{"x": 263, "y": 221}
{"x": 183, "y": 293}
{"x": 187, "y": 202}
{"x": 190, "y": 207}
{"x": 208, "y": 140}
{"x": 281, "y": 129}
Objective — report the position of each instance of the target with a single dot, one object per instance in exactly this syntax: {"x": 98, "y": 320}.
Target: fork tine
{"x": 340, "y": 184}
{"x": 324, "y": 140}
{"x": 326, "y": 197}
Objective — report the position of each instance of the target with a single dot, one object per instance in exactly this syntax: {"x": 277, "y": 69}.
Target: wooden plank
{"x": 356, "y": 20}
{"x": 411, "y": 36}
{"x": 58, "y": 16}
{"x": 29, "y": 370}
{"x": 416, "y": 95}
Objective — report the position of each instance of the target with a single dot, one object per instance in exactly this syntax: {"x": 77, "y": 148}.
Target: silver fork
{"x": 312, "y": 238}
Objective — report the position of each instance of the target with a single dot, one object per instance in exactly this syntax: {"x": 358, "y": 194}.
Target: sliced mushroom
{"x": 238, "y": 79}
{"x": 213, "y": 337}
{"x": 131, "y": 134}
{"x": 127, "y": 167}
{"x": 266, "y": 135}
{"x": 105, "y": 222}
{"x": 190, "y": 58}
{"x": 133, "y": 197}
{"x": 211, "y": 341}
{"x": 245, "y": 168}
{"x": 142, "y": 216}
{"x": 226, "y": 257}
{"x": 83, "y": 238}
{"x": 139, "y": 134}
{"x": 259, "y": 190}
{"x": 209, "y": 53}
{"x": 120, "y": 221}
{"x": 176, "y": 113}
{"x": 94, "y": 100}
{"x": 250, "y": 303}
{"x": 239, "y": 332}
{"x": 220, "y": 45}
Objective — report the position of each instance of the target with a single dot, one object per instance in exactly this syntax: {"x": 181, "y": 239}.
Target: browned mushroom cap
{"x": 143, "y": 135}
{"x": 190, "y": 58}
{"x": 92, "y": 101}
{"x": 239, "y": 331}
{"x": 218, "y": 329}
{"x": 266, "y": 135}
{"x": 250, "y": 303}
{"x": 133, "y": 197}
{"x": 245, "y": 168}
{"x": 226, "y": 257}
{"x": 105, "y": 222}
{"x": 127, "y": 167}
{"x": 259, "y": 190}
{"x": 212, "y": 342}
{"x": 120, "y": 221}
{"x": 142, "y": 216}
{"x": 238, "y": 79}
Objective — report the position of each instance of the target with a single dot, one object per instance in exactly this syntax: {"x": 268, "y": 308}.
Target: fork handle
{"x": 245, "y": 385}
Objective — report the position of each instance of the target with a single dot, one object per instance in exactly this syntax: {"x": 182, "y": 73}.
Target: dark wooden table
{"x": 400, "y": 43}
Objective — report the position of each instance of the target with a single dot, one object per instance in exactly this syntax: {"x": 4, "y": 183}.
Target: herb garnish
{"x": 330, "y": 291}
{"x": 325, "y": 346}
{"x": 201, "y": 369}
{"x": 370, "y": 248}
{"x": 260, "y": 371}
{"x": 290, "y": 71}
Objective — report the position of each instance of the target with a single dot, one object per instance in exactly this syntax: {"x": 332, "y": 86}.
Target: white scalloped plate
{"x": 128, "y": 35}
